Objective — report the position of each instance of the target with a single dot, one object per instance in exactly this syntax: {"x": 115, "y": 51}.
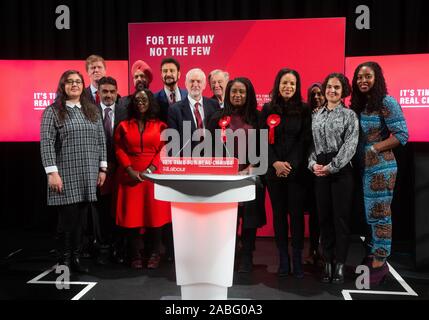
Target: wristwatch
{"x": 103, "y": 170}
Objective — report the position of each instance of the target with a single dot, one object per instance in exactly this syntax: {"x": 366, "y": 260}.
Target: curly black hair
{"x": 345, "y": 84}
{"x": 373, "y": 100}
{"x": 249, "y": 110}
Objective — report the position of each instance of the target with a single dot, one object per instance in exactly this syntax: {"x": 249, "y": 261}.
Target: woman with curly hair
{"x": 240, "y": 109}
{"x": 335, "y": 134}
{"x": 383, "y": 128}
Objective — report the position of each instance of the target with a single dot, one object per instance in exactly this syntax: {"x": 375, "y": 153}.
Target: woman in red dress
{"x": 138, "y": 146}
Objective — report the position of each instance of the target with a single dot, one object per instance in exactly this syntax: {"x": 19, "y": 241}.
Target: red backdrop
{"x": 254, "y": 49}
{"x": 28, "y": 86}
{"x": 407, "y": 81}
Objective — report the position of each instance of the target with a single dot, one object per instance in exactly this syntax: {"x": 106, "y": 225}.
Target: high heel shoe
{"x": 284, "y": 267}
{"x": 327, "y": 273}
{"x": 378, "y": 276}
{"x": 338, "y": 277}
{"x": 154, "y": 261}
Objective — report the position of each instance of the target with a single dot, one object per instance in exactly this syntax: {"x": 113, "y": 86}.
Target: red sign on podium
{"x": 215, "y": 166}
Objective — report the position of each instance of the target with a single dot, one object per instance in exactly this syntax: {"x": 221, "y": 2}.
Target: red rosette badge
{"x": 223, "y": 123}
{"x": 272, "y": 121}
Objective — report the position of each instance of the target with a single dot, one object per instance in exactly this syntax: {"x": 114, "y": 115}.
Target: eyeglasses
{"x": 141, "y": 100}
{"x": 70, "y": 81}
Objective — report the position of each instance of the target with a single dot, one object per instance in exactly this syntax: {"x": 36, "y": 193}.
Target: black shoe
{"x": 103, "y": 255}
{"x": 297, "y": 264}
{"x": 169, "y": 256}
{"x": 327, "y": 273}
{"x": 284, "y": 267}
{"x": 117, "y": 256}
{"x": 246, "y": 264}
{"x": 76, "y": 264}
{"x": 338, "y": 274}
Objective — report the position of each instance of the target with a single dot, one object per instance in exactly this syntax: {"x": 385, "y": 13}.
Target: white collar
{"x": 103, "y": 106}
{"x": 93, "y": 89}
{"x": 193, "y": 102}
{"x": 72, "y": 104}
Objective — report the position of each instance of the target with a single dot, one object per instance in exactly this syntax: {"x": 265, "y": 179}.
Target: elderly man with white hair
{"x": 194, "y": 108}
{"x": 218, "y": 80}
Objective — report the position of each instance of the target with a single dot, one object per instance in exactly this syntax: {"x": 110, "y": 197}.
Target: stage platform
{"x": 27, "y": 274}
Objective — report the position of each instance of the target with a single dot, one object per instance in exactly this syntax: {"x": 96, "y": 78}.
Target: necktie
{"x": 97, "y": 98}
{"x": 173, "y": 97}
{"x": 198, "y": 116}
{"x": 107, "y": 123}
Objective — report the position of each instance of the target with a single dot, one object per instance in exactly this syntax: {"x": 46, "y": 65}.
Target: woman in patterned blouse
{"x": 383, "y": 128}
{"x": 73, "y": 151}
{"x": 335, "y": 134}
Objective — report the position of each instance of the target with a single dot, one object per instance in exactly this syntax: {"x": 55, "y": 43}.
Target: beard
{"x": 170, "y": 81}
{"x": 140, "y": 85}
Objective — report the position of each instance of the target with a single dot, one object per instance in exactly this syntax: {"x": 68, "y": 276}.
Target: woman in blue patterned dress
{"x": 383, "y": 128}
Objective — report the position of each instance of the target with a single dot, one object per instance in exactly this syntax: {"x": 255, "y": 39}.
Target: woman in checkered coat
{"x": 73, "y": 151}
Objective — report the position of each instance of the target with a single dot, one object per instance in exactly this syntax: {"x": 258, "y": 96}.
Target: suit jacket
{"x": 163, "y": 103}
{"x": 180, "y": 111}
{"x": 88, "y": 93}
{"x": 121, "y": 113}
{"x": 292, "y": 141}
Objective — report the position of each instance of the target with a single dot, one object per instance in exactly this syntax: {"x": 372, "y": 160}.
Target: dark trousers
{"x": 154, "y": 236}
{"x": 313, "y": 217}
{"x": 287, "y": 197}
{"x": 248, "y": 235}
{"x": 334, "y": 198}
{"x": 71, "y": 223}
{"x": 248, "y": 239}
{"x": 103, "y": 220}
{"x": 167, "y": 240}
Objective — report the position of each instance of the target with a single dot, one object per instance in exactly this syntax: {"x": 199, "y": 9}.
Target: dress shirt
{"x": 192, "y": 102}
{"x": 335, "y": 130}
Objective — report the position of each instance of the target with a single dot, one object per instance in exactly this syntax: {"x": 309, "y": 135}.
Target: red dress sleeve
{"x": 120, "y": 148}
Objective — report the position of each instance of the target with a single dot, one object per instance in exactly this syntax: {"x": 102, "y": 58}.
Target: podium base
{"x": 204, "y": 291}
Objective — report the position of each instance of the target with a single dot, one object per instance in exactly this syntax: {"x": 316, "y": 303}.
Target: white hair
{"x": 196, "y": 70}
{"x": 217, "y": 71}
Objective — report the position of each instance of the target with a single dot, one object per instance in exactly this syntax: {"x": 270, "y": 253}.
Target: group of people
{"x": 97, "y": 145}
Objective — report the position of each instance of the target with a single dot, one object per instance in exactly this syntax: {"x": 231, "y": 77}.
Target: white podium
{"x": 204, "y": 215}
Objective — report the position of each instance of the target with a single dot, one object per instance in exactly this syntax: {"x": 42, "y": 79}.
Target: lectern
{"x": 204, "y": 216}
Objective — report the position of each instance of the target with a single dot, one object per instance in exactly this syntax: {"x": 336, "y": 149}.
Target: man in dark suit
{"x": 195, "y": 108}
{"x": 96, "y": 69}
{"x": 106, "y": 233}
{"x": 171, "y": 93}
